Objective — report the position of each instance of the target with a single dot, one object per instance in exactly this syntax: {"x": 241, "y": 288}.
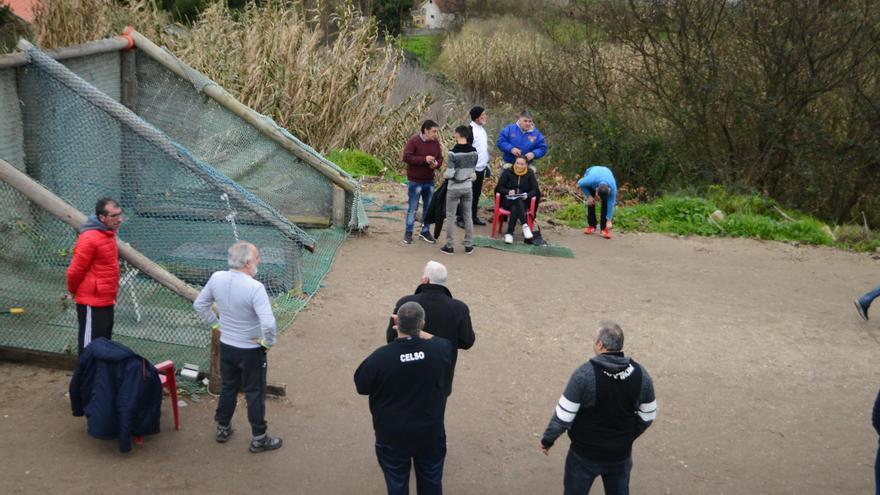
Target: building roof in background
{"x": 23, "y": 8}
{"x": 449, "y": 6}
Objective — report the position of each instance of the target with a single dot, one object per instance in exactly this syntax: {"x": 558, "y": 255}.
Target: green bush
{"x": 357, "y": 163}
{"x": 751, "y": 216}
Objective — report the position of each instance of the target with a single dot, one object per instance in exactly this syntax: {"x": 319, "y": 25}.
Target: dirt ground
{"x": 764, "y": 376}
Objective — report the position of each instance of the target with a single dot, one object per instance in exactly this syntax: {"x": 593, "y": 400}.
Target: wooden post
{"x": 68, "y": 52}
{"x": 214, "y": 378}
{"x": 338, "y": 206}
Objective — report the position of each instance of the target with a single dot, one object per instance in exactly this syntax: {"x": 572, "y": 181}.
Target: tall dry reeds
{"x": 275, "y": 58}
{"x": 71, "y": 22}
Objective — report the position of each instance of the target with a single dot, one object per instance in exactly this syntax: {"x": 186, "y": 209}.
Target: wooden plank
{"x": 67, "y": 52}
{"x": 129, "y": 80}
{"x": 38, "y": 358}
{"x": 309, "y": 221}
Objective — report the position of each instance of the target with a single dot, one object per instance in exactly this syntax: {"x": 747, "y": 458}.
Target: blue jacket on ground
{"x": 594, "y": 176}
{"x": 527, "y": 142}
{"x": 118, "y": 391}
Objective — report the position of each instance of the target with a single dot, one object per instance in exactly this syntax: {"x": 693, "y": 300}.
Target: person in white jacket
{"x": 483, "y": 170}
{"x": 247, "y": 331}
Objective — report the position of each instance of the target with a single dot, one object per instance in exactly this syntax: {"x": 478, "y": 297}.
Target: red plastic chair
{"x": 166, "y": 377}
{"x": 500, "y": 215}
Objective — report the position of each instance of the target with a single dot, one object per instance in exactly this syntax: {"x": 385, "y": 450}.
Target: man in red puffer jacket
{"x": 93, "y": 274}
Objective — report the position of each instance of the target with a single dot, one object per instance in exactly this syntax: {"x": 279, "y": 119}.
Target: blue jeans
{"x": 866, "y": 300}
{"x": 395, "y": 463}
{"x": 415, "y": 190}
{"x": 580, "y": 473}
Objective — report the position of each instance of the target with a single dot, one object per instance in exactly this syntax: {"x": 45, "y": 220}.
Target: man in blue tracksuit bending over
{"x": 598, "y": 184}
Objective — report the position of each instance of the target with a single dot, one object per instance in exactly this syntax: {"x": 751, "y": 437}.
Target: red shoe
{"x": 589, "y": 230}
{"x": 606, "y": 233}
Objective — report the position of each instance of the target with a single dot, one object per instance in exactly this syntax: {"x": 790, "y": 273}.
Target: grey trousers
{"x": 453, "y": 197}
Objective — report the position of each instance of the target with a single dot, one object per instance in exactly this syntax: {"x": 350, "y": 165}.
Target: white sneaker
{"x": 508, "y": 239}
{"x": 527, "y": 232}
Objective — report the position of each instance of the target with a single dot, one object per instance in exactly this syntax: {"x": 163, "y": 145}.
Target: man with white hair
{"x": 445, "y": 316}
{"x": 608, "y": 402}
{"x": 247, "y": 331}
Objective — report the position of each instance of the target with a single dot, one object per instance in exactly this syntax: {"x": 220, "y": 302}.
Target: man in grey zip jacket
{"x": 608, "y": 402}
{"x": 460, "y": 167}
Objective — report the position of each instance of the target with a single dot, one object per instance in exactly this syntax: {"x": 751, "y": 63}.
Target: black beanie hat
{"x": 476, "y": 112}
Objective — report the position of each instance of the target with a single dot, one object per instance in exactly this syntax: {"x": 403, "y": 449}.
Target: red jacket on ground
{"x": 414, "y": 153}
{"x": 93, "y": 274}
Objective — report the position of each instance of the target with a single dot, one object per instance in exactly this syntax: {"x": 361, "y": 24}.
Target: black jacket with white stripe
{"x": 608, "y": 402}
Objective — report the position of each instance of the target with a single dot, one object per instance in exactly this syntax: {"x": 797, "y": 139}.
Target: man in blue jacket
{"x": 521, "y": 138}
{"x": 598, "y": 185}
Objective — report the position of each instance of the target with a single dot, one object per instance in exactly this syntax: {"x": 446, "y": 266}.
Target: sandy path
{"x": 764, "y": 375}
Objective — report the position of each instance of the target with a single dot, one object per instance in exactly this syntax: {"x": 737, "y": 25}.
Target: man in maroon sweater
{"x": 422, "y": 155}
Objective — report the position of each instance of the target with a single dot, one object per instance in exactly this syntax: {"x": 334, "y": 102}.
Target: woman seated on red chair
{"x": 517, "y": 186}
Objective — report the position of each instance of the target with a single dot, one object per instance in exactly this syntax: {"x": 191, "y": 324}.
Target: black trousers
{"x": 94, "y": 322}
{"x": 243, "y": 369}
{"x": 475, "y": 199}
{"x": 591, "y": 216}
{"x": 517, "y": 209}
{"x": 396, "y": 463}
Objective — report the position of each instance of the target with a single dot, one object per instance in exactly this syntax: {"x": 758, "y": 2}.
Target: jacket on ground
{"x": 93, "y": 274}
{"x": 445, "y": 317}
{"x": 528, "y": 142}
{"x": 118, "y": 391}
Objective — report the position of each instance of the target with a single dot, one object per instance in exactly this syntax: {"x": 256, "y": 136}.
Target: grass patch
{"x": 357, "y": 163}
{"x": 425, "y": 47}
{"x": 745, "y": 215}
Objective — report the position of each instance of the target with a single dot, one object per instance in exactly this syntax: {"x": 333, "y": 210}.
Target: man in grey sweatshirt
{"x": 460, "y": 168}
{"x": 247, "y": 331}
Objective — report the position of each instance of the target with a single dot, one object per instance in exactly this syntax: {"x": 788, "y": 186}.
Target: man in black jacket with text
{"x": 608, "y": 402}
{"x": 444, "y": 316}
{"x": 406, "y": 382}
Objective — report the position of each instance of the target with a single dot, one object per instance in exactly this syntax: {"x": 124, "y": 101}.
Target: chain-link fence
{"x": 82, "y": 144}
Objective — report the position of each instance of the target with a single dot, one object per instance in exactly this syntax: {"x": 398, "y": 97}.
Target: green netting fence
{"x": 180, "y": 211}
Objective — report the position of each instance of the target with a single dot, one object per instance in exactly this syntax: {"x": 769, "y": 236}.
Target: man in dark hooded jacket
{"x": 608, "y": 402}
{"x": 445, "y": 316}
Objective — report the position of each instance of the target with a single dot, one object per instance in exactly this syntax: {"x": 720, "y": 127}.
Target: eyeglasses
{"x": 115, "y": 215}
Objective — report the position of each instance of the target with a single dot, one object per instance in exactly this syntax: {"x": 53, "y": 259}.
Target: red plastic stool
{"x": 166, "y": 376}
{"x": 500, "y": 214}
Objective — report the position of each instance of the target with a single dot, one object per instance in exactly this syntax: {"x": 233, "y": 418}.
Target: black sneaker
{"x": 264, "y": 442}
{"x": 468, "y": 250}
{"x": 478, "y": 221}
{"x": 427, "y": 237}
{"x": 447, "y": 250}
{"x": 407, "y": 238}
{"x": 223, "y": 433}
{"x": 861, "y": 309}
{"x": 459, "y": 223}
